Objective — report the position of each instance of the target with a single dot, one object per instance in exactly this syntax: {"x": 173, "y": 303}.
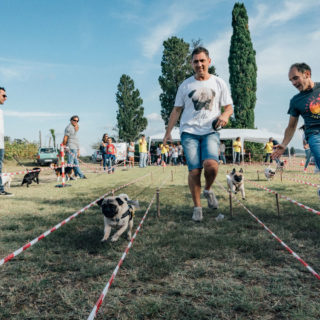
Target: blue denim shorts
{"x": 198, "y": 148}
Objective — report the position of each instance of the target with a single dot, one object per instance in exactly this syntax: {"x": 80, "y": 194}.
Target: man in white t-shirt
{"x": 3, "y": 98}
{"x": 200, "y": 99}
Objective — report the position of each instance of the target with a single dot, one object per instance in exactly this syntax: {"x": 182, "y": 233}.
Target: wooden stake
{"x": 158, "y": 202}
{"x": 230, "y": 201}
{"x": 171, "y": 175}
{"x": 278, "y": 206}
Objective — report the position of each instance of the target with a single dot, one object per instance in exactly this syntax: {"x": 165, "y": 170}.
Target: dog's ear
{"x": 99, "y": 203}
{"x": 241, "y": 170}
{"x": 233, "y": 171}
{"x": 120, "y": 201}
{"x": 191, "y": 93}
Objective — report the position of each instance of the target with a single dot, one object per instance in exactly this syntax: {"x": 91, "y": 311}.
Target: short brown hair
{"x": 301, "y": 67}
{"x": 198, "y": 50}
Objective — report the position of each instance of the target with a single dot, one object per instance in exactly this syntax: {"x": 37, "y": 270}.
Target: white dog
{"x": 269, "y": 173}
{"x": 6, "y": 180}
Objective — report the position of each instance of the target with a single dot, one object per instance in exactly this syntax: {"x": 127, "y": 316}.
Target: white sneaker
{"x": 197, "y": 214}
{"x": 212, "y": 200}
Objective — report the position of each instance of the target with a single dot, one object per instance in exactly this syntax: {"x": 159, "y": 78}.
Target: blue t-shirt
{"x": 307, "y": 104}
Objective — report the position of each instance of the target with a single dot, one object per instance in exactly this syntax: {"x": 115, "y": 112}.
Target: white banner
{"x": 121, "y": 153}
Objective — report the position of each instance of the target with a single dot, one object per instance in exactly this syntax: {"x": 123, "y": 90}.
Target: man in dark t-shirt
{"x": 307, "y": 104}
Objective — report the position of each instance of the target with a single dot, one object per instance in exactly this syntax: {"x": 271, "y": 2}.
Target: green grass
{"x": 176, "y": 269}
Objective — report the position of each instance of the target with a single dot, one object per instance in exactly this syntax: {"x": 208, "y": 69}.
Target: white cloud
{"x": 154, "y": 117}
{"x": 18, "y": 114}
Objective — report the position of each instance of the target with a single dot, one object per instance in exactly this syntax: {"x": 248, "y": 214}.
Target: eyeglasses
{"x": 4, "y": 95}
{"x": 75, "y": 120}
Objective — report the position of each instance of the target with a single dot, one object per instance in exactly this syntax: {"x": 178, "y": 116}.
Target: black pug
{"x": 31, "y": 176}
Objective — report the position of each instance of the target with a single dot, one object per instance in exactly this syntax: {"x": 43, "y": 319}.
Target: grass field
{"x": 176, "y": 268}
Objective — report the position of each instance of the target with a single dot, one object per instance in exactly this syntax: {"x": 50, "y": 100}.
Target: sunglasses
{"x": 4, "y": 95}
{"x": 75, "y": 120}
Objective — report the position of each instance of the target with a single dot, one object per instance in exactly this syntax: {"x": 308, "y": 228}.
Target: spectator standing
{"x": 103, "y": 150}
{"x": 159, "y": 154}
{"x": 71, "y": 141}
{"x": 3, "y": 98}
{"x": 131, "y": 154}
{"x": 222, "y": 149}
{"x": 237, "y": 149}
{"x": 269, "y": 149}
{"x": 111, "y": 155}
{"x": 143, "y": 152}
{"x": 201, "y": 97}
{"x": 174, "y": 155}
{"x": 180, "y": 153}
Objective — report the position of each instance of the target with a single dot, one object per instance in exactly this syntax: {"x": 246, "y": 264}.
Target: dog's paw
{"x": 243, "y": 198}
{"x": 114, "y": 239}
{"x": 235, "y": 192}
{"x": 103, "y": 240}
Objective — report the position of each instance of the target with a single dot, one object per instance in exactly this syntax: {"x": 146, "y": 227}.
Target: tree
{"x": 131, "y": 121}
{"x": 175, "y": 68}
{"x": 53, "y": 135}
{"x": 292, "y": 151}
{"x": 243, "y": 69}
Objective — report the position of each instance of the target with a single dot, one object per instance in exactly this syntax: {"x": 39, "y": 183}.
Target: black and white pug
{"x": 202, "y": 98}
{"x": 235, "y": 182}
{"x": 269, "y": 173}
{"x": 118, "y": 212}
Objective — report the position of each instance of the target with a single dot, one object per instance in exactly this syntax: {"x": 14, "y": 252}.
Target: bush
{"x": 23, "y": 149}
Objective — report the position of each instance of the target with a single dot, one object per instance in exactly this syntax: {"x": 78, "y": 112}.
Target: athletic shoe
{"x": 197, "y": 214}
{"x": 6, "y": 194}
{"x": 212, "y": 200}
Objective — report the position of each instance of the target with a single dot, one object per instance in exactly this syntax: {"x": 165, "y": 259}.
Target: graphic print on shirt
{"x": 314, "y": 107}
{"x": 202, "y": 98}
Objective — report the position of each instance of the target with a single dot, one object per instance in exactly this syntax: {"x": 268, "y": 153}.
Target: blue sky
{"x": 65, "y": 57}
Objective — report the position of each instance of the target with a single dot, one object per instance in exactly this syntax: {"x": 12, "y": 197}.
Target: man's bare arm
{"x": 288, "y": 134}
{"x": 65, "y": 140}
{"x": 224, "y": 117}
{"x": 174, "y": 117}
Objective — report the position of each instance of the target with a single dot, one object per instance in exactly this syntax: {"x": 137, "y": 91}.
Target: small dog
{"x": 6, "y": 180}
{"x": 235, "y": 182}
{"x": 68, "y": 171}
{"x": 118, "y": 212}
{"x": 31, "y": 176}
{"x": 269, "y": 173}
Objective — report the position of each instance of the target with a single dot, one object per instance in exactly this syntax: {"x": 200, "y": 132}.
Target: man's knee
{"x": 195, "y": 172}
{"x": 210, "y": 164}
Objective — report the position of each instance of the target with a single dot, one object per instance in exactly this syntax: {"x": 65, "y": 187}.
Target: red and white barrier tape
{"x": 115, "y": 271}
{"x": 45, "y": 234}
{"x": 276, "y": 237}
{"x": 301, "y": 181}
{"x": 287, "y": 198}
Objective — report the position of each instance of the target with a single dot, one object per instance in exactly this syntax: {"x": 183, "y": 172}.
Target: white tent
{"x": 252, "y": 135}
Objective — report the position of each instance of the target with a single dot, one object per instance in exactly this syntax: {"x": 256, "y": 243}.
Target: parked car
{"x": 96, "y": 156}
{"x": 47, "y": 155}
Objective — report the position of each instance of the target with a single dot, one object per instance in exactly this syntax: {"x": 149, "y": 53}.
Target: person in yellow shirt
{"x": 269, "y": 149}
{"x": 143, "y": 152}
{"x": 237, "y": 149}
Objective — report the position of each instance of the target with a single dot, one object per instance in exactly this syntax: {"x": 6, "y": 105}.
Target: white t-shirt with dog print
{"x": 1, "y": 130}
{"x": 201, "y": 102}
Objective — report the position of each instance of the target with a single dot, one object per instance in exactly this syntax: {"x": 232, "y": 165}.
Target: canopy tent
{"x": 252, "y": 135}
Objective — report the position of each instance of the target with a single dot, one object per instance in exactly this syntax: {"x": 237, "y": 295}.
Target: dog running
{"x": 68, "y": 171}
{"x": 31, "y": 177}
{"x": 118, "y": 212}
{"x": 269, "y": 173}
{"x": 235, "y": 182}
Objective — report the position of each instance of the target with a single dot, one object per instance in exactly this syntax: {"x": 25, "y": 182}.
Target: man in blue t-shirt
{"x": 307, "y": 104}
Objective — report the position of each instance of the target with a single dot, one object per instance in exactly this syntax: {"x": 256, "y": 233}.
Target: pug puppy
{"x": 118, "y": 212}
{"x": 269, "y": 173}
{"x": 235, "y": 182}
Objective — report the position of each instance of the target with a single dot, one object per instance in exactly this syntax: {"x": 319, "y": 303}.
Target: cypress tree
{"x": 243, "y": 69}
{"x": 131, "y": 121}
